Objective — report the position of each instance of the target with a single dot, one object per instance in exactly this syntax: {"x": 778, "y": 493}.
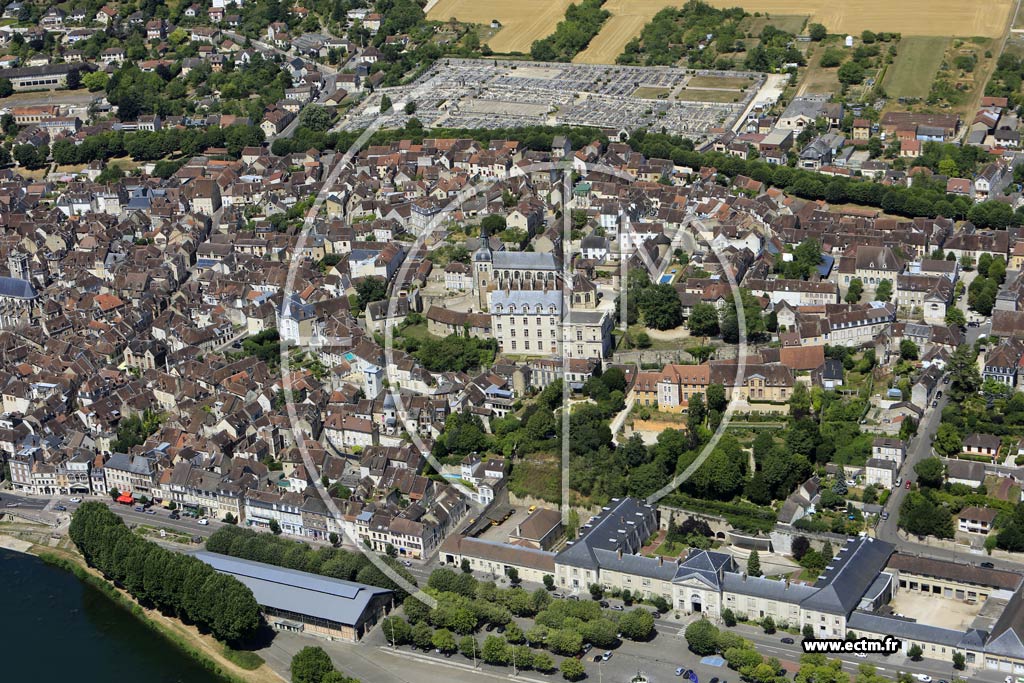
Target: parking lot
{"x": 501, "y": 532}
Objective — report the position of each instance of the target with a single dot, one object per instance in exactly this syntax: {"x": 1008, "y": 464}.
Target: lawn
{"x": 646, "y": 93}
{"x": 670, "y": 549}
{"x": 726, "y": 82}
{"x": 917, "y": 60}
{"x": 721, "y": 96}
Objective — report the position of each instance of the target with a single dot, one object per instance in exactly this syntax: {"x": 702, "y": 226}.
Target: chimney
{"x": 787, "y": 583}
{"x": 744, "y": 575}
{"x": 661, "y": 560}
{"x": 619, "y": 553}
{"x": 518, "y": 532}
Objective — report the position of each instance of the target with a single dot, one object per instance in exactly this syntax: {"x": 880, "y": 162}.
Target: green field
{"x": 650, "y": 93}
{"x": 917, "y": 60}
{"x": 698, "y": 95}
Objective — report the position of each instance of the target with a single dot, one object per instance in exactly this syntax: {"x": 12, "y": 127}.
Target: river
{"x": 55, "y": 629}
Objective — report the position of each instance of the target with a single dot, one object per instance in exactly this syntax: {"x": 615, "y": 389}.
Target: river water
{"x": 55, "y": 629}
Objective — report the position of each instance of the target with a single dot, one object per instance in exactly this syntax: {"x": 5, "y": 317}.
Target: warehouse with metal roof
{"x": 299, "y": 601}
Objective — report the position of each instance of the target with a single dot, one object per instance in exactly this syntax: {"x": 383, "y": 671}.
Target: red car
{"x": 908, "y": 484}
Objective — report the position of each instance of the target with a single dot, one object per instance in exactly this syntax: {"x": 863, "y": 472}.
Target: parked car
{"x": 607, "y": 655}
{"x": 988, "y": 565}
{"x": 618, "y": 608}
{"x": 907, "y": 485}
{"x": 938, "y": 394}
{"x": 204, "y": 521}
{"x": 574, "y": 597}
{"x": 13, "y": 505}
{"x": 680, "y": 671}
{"x": 76, "y": 499}
{"x": 597, "y": 658}
{"x": 899, "y": 483}
{"x": 59, "y": 508}
{"x": 924, "y": 678}
{"x": 587, "y": 647}
{"x": 407, "y": 563}
{"x": 885, "y": 515}
{"x": 174, "y": 515}
{"x": 603, "y": 603}
{"x": 788, "y": 641}
{"x": 150, "y": 511}
{"x": 139, "y": 508}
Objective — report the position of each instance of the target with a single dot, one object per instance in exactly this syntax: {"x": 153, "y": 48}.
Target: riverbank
{"x": 202, "y": 649}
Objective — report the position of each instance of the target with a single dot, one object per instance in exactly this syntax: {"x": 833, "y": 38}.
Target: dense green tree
{"x": 310, "y": 665}
{"x": 855, "y": 291}
{"x": 396, "y": 630}
{"x": 930, "y": 472}
{"x": 703, "y": 321}
{"x": 572, "y": 669}
{"x": 637, "y": 624}
{"x": 701, "y": 637}
{"x": 754, "y": 564}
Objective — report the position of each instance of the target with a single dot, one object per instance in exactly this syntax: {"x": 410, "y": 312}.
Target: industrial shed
{"x": 300, "y": 601}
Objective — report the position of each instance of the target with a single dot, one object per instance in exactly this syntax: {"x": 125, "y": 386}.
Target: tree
{"x": 422, "y": 635}
{"x": 316, "y": 117}
{"x": 807, "y": 632}
{"x": 702, "y": 637}
{"x": 6, "y": 89}
{"x": 817, "y": 32}
{"x": 948, "y": 441}
{"x": 410, "y": 107}
{"x": 915, "y": 652}
{"x": 495, "y": 651}
{"x": 465, "y": 567}
{"x": 930, "y": 472}
{"x": 385, "y": 104}
{"x": 754, "y": 564}
{"x": 230, "y": 519}
{"x": 800, "y": 547}
{"x": 703, "y": 320}
{"x": 883, "y": 292}
{"x": 549, "y": 582}
{"x": 370, "y": 289}
{"x": 728, "y": 617}
{"x": 468, "y": 647}
{"x": 396, "y": 630}
{"x": 954, "y": 316}
{"x": 660, "y": 307}
{"x": 959, "y": 661}
{"x": 855, "y": 291}
{"x": 310, "y": 665}
{"x": 715, "y": 397}
{"x": 768, "y": 624}
{"x": 851, "y": 73}
{"x": 908, "y": 350}
{"x": 542, "y": 662}
{"x": 572, "y": 669}
{"x": 596, "y": 591}
{"x": 275, "y": 528}
{"x": 637, "y": 624}
{"x": 513, "y": 575}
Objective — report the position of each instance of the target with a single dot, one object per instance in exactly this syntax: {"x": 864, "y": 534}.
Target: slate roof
{"x": 16, "y": 288}
{"x": 300, "y": 592}
{"x": 633, "y": 517}
{"x": 903, "y": 628}
{"x": 770, "y": 589}
{"x": 534, "y": 260}
{"x": 853, "y": 569}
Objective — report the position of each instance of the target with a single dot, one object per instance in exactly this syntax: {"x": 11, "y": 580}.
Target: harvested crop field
{"x": 917, "y": 60}
{"x": 522, "y": 22}
{"x": 616, "y": 32}
{"x": 909, "y": 17}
